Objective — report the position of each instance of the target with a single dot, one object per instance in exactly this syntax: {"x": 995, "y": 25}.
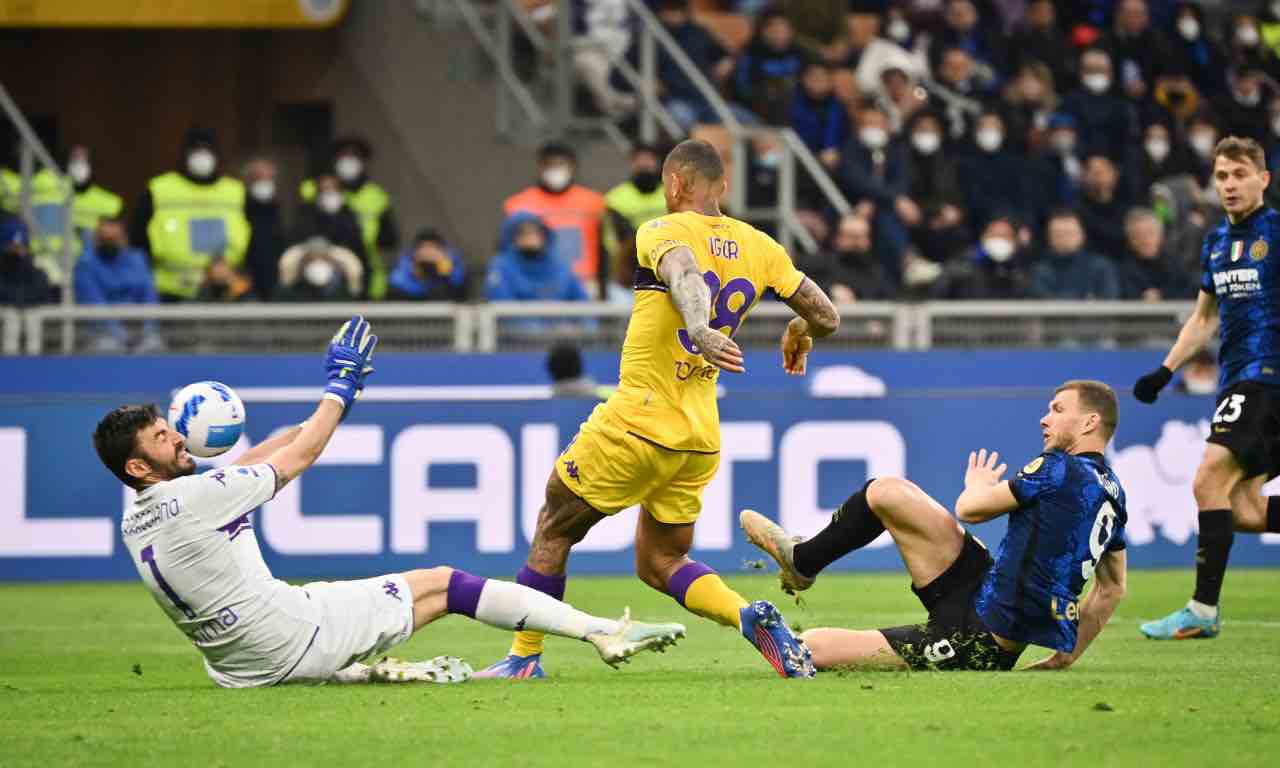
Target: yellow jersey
{"x": 667, "y": 392}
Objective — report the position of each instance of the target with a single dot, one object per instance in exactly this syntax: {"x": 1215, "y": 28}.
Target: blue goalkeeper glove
{"x": 349, "y": 362}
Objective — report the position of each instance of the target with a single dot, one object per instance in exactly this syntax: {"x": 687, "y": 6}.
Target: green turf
{"x": 93, "y": 674}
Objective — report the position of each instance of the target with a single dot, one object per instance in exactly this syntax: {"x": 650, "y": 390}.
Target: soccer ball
{"x": 209, "y": 416}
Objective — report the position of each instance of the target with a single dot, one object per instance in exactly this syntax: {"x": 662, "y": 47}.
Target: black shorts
{"x": 1247, "y": 423}
{"x": 955, "y": 637}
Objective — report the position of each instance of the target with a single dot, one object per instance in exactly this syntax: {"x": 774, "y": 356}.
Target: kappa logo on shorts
{"x": 571, "y": 469}
{"x": 391, "y": 589}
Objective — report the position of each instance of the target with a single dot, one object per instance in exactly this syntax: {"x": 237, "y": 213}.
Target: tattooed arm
{"x": 817, "y": 317}
{"x": 692, "y": 299}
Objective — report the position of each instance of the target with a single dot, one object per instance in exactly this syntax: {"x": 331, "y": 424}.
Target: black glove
{"x": 1148, "y": 387}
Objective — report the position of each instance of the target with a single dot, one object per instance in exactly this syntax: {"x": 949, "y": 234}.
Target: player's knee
{"x": 888, "y": 492}
{"x": 652, "y": 570}
{"x": 1212, "y": 485}
{"x": 429, "y": 581}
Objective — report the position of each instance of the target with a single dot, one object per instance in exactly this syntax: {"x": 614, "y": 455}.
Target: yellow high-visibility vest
{"x": 193, "y": 224}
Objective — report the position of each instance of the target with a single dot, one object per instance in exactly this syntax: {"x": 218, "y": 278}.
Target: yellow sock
{"x": 709, "y": 597}
{"x": 527, "y": 642}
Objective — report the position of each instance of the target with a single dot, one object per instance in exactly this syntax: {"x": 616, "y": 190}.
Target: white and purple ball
{"x": 209, "y": 416}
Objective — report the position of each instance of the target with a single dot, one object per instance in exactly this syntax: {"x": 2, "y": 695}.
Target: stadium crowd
{"x": 991, "y": 149}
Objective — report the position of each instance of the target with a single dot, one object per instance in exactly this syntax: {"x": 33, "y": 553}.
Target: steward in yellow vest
{"x": 192, "y": 224}
{"x": 91, "y": 204}
{"x": 627, "y": 206}
{"x": 370, "y": 203}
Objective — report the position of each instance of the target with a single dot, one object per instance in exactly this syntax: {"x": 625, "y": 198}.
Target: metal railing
{"x": 559, "y": 82}
{"x": 33, "y": 151}
{"x": 532, "y": 326}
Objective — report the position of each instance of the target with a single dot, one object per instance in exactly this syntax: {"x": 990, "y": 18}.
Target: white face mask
{"x": 330, "y": 202}
{"x": 1157, "y": 149}
{"x": 557, "y": 177}
{"x": 898, "y": 30}
{"x": 1189, "y": 28}
{"x": 1200, "y": 385}
{"x": 1096, "y": 82}
{"x": 263, "y": 190}
{"x": 78, "y": 170}
{"x": 1249, "y": 99}
{"x": 318, "y": 272}
{"x": 998, "y": 248}
{"x": 926, "y": 142}
{"x": 1247, "y": 36}
{"x": 989, "y": 140}
{"x": 201, "y": 163}
{"x": 348, "y": 168}
{"x": 1203, "y": 142}
{"x": 873, "y": 137}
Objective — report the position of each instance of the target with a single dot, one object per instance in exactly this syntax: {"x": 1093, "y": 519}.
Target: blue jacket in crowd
{"x": 123, "y": 278}
{"x": 514, "y": 276}
{"x": 403, "y": 284}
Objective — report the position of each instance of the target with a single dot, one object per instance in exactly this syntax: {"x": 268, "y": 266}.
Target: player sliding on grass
{"x": 1239, "y": 294}
{"x": 194, "y": 547}
{"x": 1066, "y": 523}
{"x": 656, "y": 442}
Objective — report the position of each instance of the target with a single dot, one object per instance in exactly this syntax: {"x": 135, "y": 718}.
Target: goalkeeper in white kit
{"x": 193, "y": 544}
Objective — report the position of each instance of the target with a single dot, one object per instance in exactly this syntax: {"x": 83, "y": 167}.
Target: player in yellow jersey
{"x": 656, "y": 442}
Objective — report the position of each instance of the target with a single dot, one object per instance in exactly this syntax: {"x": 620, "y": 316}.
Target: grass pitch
{"x": 93, "y": 674}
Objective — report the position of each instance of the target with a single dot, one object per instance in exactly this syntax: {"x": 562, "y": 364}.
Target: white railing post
{"x": 33, "y": 319}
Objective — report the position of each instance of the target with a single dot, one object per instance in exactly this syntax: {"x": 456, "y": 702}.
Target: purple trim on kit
{"x": 548, "y": 585}
{"x": 680, "y": 581}
{"x": 306, "y": 650}
{"x": 464, "y": 593}
{"x": 237, "y": 526}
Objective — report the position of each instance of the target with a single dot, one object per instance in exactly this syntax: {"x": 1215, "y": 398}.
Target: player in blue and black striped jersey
{"x": 1066, "y": 524}
{"x": 1240, "y": 295}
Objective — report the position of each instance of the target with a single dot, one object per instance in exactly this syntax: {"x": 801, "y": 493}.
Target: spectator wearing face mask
{"x": 935, "y": 186}
{"x": 571, "y": 210}
{"x": 91, "y": 204}
{"x": 629, "y": 205}
{"x": 191, "y": 221}
{"x": 1202, "y": 137}
{"x": 109, "y": 271}
{"x": 993, "y": 268}
{"x": 526, "y": 267}
{"x": 1105, "y": 121}
{"x": 1244, "y": 46}
{"x": 1200, "y": 375}
{"x": 318, "y": 270}
{"x": 262, "y": 209}
{"x": 875, "y": 176}
{"x": 370, "y": 203}
{"x": 1242, "y": 107}
{"x": 329, "y": 218}
{"x": 1161, "y": 158}
{"x": 1201, "y": 56}
{"x": 428, "y": 271}
{"x": 993, "y": 179}
{"x": 1068, "y": 270}
{"x": 1146, "y": 272}
{"x": 22, "y": 283}
{"x": 1102, "y": 207}
{"x": 849, "y": 269}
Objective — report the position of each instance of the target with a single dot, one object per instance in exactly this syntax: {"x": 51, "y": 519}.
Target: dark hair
{"x": 698, "y": 156}
{"x": 1240, "y": 148}
{"x": 556, "y": 149}
{"x": 430, "y": 235}
{"x": 564, "y": 361}
{"x": 1098, "y": 398}
{"x": 356, "y": 144}
{"x": 116, "y": 437}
